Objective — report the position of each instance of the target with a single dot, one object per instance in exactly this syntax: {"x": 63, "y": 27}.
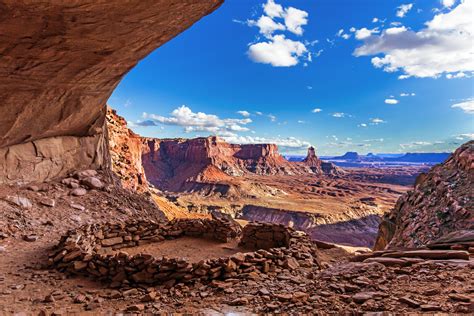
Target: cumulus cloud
{"x": 406, "y": 94}
{"x": 272, "y": 117}
{"x": 244, "y": 113}
{"x": 459, "y": 75}
{"x": 391, "y": 101}
{"x": 198, "y": 122}
{"x": 316, "y": 110}
{"x": 403, "y": 9}
{"x": 364, "y": 33}
{"x": 448, "y": 3}
{"x": 272, "y": 9}
{"x": 295, "y": 19}
{"x": 466, "y": 106}
{"x": 278, "y": 52}
{"x": 285, "y": 142}
{"x": 266, "y": 25}
{"x": 444, "y": 45}
{"x": 362, "y": 125}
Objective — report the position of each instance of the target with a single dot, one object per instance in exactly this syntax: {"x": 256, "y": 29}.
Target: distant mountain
{"x": 353, "y": 159}
{"x": 421, "y": 157}
{"x": 350, "y": 155}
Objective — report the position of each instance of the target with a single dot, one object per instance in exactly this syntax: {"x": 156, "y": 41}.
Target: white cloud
{"x": 258, "y": 113}
{"x": 375, "y": 20}
{"x": 415, "y": 144}
{"x": 272, "y": 9}
{"x": 466, "y": 106}
{"x": 444, "y": 45}
{"x": 466, "y": 136}
{"x": 197, "y": 122}
{"x": 285, "y": 142}
{"x": 244, "y": 113}
{"x": 362, "y": 125}
{"x": 341, "y": 33}
{"x": 339, "y": 114}
{"x": 266, "y": 25}
{"x": 448, "y": 3}
{"x": 301, "y": 122}
{"x": 458, "y": 75}
{"x": 272, "y": 117}
{"x": 295, "y": 19}
{"x": 391, "y": 101}
{"x": 377, "y": 121}
{"x": 309, "y": 87}
{"x": 375, "y": 140}
{"x": 406, "y": 94}
{"x": 364, "y": 33}
{"x": 403, "y": 9}
{"x": 316, "y": 110}
{"x": 395, "y": 30}
{"x": 278, "y": 52}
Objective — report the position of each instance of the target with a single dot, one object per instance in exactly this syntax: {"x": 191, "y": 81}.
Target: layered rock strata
{"x": 84, "y": 251}
{"x": 440, "y": 204}
{"x": 60, "y": 62}
{"x": 181, "y": 164}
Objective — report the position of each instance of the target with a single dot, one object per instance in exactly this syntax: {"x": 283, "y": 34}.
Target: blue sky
{"x": 341, "y": 75}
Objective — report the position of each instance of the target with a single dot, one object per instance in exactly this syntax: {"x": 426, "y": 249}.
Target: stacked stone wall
{"x": 94, "y": 250}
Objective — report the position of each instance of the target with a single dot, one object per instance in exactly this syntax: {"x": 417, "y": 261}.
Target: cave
{"x": 60, "y": 62}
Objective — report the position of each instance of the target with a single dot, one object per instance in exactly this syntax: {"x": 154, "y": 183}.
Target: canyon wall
{"x": 355, "y": 227}
{"x": 441, "y": 204}
{"x": 184, "y": 164}
{"x": 60, "y": 61}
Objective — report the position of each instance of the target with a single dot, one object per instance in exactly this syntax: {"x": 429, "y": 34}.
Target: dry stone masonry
{"x": 92, "y": 251}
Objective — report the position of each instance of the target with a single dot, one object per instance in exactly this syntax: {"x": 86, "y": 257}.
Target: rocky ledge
{"x": 89, "y": 251}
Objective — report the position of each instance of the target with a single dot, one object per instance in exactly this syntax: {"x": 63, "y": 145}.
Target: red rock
{"x": 430, "y": 254}
{"x": 431, "y": 213}
{"x": 58, "y": 122}
{"x": 410, "y": 302}
{"x": 388, "y": 261}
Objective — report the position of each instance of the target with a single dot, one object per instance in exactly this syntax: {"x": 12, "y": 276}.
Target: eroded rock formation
{"x": 318, "y": 166}
{"x": 126, "y": 153}
{"x": 174, "y": 164}
{"x": 60, "y": 61}
{"x": 440, "y": 205}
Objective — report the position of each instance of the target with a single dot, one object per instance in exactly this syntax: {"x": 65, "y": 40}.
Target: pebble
{"x": 30, "y": 238}
{"x": 48, "y": 202}
{"x": 79, "y": 192}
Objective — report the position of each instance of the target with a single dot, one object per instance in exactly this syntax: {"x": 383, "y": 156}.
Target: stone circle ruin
{"x": 99, "y": 251}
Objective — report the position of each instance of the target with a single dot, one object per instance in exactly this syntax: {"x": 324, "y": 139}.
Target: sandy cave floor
{"x": 190, "y": 248}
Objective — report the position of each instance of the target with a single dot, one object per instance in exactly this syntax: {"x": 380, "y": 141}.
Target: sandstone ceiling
{"x": 61, "y": 60}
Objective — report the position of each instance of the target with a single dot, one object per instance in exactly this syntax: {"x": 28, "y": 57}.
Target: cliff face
{"x": 441, "y": 204}
{"x": 60, "y": 62}
{"x": 170, "y": 164}
{"x": 126, "y": 153}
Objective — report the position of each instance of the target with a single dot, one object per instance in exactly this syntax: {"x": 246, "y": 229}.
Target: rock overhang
{"x": 59, "y": 63}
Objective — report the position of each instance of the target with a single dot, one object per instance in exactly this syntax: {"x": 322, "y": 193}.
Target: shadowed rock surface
{"x": 440, "y": 204}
